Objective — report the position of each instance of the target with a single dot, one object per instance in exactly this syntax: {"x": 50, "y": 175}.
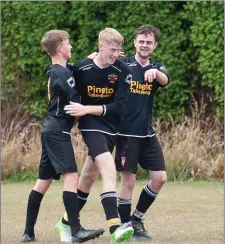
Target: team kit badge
{"x": 112, "y": 78}
{"x": 123, "y": 161}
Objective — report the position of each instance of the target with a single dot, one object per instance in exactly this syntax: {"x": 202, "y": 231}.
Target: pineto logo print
{"x": 143, "y": 89}
{"x": 94, "y": 91}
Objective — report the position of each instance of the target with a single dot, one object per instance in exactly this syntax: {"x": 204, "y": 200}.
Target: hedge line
{"x": 191, "y": 47}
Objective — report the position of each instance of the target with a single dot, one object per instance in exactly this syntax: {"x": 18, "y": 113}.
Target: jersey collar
{"x": 140, "y": 63}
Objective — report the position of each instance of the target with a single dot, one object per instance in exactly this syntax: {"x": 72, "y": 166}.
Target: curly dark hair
{"x": 147, "y": 29}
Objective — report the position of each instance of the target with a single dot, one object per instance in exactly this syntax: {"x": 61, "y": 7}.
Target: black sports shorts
{"x": 131, "y": 151}
{"x": 57, "y": 155}
{"x": 98, "y": 142}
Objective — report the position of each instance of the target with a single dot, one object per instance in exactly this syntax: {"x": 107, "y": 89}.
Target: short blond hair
{"x": 111, "y": 36}
{"x": 52, "y": 39}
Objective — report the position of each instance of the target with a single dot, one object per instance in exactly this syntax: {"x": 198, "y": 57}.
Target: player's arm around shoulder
{"x": 77, "y": 65}
{"x": 126, "y": 72}
{"x": 125, "y": 78}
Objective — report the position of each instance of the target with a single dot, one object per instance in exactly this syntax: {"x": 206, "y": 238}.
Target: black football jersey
{"x": 61, "y": 90}
{"x": 137, "y": 116}
{"x": 107, "y": 86}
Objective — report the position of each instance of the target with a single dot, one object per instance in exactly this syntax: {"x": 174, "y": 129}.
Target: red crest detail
{"x": 123, "y": 161}
{"x": 112, "y": 78}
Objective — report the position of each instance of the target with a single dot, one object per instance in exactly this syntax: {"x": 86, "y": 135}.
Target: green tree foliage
{"x": 207, "y": 41}
{"x": 191, "y": 45}
{"x": 24, "y": 23}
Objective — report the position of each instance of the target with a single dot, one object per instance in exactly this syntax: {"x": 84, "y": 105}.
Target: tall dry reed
{"x": 21, "y": 145}
{"x": 192, "y": 148}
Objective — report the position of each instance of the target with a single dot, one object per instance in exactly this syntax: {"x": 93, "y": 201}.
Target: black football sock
{"x": 72, "y": 208}
{"x": 146, "y": 199}
{"x": 109, "y": 202}
{"x": 33, "y": 206}
{"x": 124, "y": 209}
{"x": 82, "y": 199}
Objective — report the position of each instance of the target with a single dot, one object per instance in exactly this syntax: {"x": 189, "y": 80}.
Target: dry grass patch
{"x": 192, "y": 148}
{"x": 20, "y": 144}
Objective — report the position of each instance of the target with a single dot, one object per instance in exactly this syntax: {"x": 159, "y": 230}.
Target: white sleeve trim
{"x": 104, "y": 108}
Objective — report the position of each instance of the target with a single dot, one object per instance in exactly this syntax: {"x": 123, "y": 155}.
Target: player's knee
{"x": 89, "y": 177}
{"x": 161, "y": 180}
{"x": 71, "y": 179}
{"x": 129, "y": 183}
{"x": 42, "y": 185}
{"x": 128, "y": 180}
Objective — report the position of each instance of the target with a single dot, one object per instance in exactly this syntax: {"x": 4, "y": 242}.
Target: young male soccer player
{"x": 57, "y": 151}
{"x": 103, "y": 84}
{"x": 137, "y": 142}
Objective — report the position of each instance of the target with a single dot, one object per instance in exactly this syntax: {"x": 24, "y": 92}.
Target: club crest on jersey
{"x": 128, "y": 78}
{"x": 123, "y": 161}
{"x": 71, "y": 82}
{"x": 162, "y": 68}
{"x": 112, "y": 78}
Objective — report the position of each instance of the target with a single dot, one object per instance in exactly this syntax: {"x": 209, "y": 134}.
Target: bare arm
{"x": 77, "y": 109}
{"x": 158, "y": 73}
{"x": 161, "y": 78}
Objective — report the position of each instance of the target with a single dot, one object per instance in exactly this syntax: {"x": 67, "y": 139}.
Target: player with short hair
{"x": 137, "y": 141}
{"x": 103, "y": 84}
{"x": 57, "y": 152}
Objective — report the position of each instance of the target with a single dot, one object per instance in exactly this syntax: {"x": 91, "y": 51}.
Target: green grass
{"x": 22, "y": 176}
{"x": 27, "y": 175}
{"x": 185, "y": 212}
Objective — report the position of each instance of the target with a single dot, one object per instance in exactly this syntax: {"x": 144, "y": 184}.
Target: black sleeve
{"x": 69, "y": 89}
{"x": 162, "y": 69}
{"x": 121, "y": 93}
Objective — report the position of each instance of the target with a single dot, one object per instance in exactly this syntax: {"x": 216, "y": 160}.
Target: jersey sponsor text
{"x": 94, "y": 91}
{"x": 137, "y": 87}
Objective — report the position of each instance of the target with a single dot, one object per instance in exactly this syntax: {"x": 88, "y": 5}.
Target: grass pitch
{"x": 187, "y": 213}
